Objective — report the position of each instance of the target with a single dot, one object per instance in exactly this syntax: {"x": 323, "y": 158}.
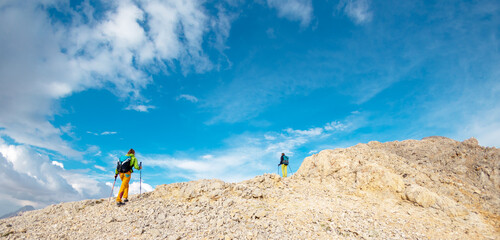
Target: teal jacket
{"x": 133, "y": 163}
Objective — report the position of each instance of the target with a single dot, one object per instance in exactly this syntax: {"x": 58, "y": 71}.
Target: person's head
{"x": 131, "y": 151}
{"x": 282, "y": 154}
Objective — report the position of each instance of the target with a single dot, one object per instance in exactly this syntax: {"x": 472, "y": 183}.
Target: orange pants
{"x": 125, "y": 177}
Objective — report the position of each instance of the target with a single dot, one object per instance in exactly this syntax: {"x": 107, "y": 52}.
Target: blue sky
{"x": 218, "y": 89}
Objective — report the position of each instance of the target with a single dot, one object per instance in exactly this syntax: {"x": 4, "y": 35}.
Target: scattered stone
{"x": 435, "y": 188}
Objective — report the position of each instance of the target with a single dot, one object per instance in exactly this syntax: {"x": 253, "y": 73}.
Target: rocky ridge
{"x": 435, "y": 188}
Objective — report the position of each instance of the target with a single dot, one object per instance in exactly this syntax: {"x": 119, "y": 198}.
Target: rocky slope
{"x": 436, "y": 188}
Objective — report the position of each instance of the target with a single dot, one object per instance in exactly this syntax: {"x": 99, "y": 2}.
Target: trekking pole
{"x": 140, "y": 179}
{"x": 291, "y": 171}
{"x": 109, "y": 199}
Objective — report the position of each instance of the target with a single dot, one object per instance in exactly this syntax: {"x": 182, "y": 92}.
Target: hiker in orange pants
{"x": 124, "y": 168}
{"x": 123, "y": 193}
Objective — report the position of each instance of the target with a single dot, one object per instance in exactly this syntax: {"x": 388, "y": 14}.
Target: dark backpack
{"x": 124, "y": 164}
{"x": 285, "y": 160}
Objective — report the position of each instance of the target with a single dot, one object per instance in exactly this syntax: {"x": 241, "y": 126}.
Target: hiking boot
{"x": 119, "y": 204}
{"x": 126, "y": 200}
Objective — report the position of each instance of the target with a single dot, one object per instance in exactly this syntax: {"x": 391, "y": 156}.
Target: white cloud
{"x": 108, "y": 133}
{"x": 208, "y": 156}
{"x": 188, "y": 97}
{"x": 59, "y": 164}
{"x": 300, "y": 10}
{"x": 68, "y": 129}
{"x": 233, "y": 164}
{"x": 269, "y": 137}
{"x": 101, "y": 168}
{"x": 30, "y": 177}
{"x": 44, "y": 60}
{"x": 140, "y": 108}
{"x": 358, "y": 10}
{"x": 222, "y": 24}
{"x": 313, "y": 152}
{"x": 103, "y": 133}
{"x": 312, "y": 132}
{"x": 335, "y": 126}
{"x": 136, "y": 188}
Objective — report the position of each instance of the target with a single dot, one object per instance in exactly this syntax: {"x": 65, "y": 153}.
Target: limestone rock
{"x": 471, "y": 141}
{"x": 421, "y": 196}
{"x": 373, "y": 177}
{"x": 435, "y": 188}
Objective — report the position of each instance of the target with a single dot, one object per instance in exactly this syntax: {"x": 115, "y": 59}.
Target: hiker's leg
{"x": 122, "y": 187}
{"x": 285, "y": 171}
{"x": 126, "y": 180}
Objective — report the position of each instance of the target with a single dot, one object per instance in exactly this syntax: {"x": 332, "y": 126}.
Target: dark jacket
{"x": 282, "y": 160}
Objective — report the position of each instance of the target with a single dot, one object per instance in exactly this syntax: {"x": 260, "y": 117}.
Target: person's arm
{"x": 135, "y": 162}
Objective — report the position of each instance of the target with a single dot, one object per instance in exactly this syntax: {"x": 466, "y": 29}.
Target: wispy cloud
{"x": 485, "y": 127}
{"x": 313, "y": 132}
{"x": 270, "y": 33}
{"x": 93, "y": 150}
{"x": 101, "y": 168}
{"x": 140, "y": 108}
{"x": 255, "y": 90}
{"x": 469, "y": 114}
{"x": 461, "y": 97}
{"x": 300, "y": 10}
{"x": 249, "y": 154}
{"x": 336, "y": 125}
{"x": 358, "y": 10}
{"x": 108, "y": 133}
{"x": 188, "y": 97}
{"x": 103, "y": 133}
{"x": 220, "y": 164}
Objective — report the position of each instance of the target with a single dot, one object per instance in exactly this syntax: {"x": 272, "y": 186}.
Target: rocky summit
{"x": 435, "y": 188}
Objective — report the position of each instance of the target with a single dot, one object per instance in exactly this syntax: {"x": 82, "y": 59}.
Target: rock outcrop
{"x": 435, "y": 188}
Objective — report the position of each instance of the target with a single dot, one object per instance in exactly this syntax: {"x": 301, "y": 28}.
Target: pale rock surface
{"x": 436, "y": 188}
